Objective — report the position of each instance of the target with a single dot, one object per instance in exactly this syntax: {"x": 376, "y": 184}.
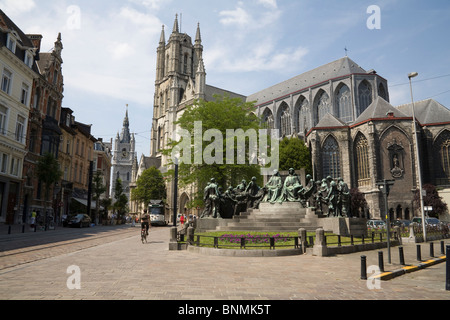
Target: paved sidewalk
{"x": 128, "y": 270}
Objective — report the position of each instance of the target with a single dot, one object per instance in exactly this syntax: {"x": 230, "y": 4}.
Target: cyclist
{"x": 145, "y": 221}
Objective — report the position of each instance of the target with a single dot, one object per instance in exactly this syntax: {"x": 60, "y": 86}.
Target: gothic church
{"x": 340, "y": 110}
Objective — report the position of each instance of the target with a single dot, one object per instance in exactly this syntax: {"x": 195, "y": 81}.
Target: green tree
{"x": 222, "y": 114}
{"x": 98, "y": 188}
{"x": 295, "y": 154}
{"x": 48, "y": 173}
{"x": 431, "y": 199}
{"x": 121, "y": 200}
{"x": 149, "y": 186}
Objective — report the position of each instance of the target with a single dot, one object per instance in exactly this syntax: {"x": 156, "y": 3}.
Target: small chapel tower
{"x": 124, "y": 156}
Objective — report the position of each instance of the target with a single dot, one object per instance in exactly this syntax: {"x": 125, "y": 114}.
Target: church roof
{"x": 379, "y": 108}
{"x": 330, "y": 121}
{"x": 427, "y": 111}
{"x": 335, "y": 69}
{"x": 210, "y": 91}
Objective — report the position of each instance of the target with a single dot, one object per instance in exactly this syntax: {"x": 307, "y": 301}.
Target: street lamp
{"x": 410, "y": 76}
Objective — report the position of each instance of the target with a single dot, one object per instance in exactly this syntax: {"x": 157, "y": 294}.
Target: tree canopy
{"x": 149, "y": 186}
{"x": 216, "y": 119}
{"x": 295, "y": 154}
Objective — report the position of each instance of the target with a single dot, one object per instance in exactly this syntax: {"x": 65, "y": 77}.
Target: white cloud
{"x": 238, "y": 17}
{"x": 272, "y": 4}
{"x": 13, "y": 7}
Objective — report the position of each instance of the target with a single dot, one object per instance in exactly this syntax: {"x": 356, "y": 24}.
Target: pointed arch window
{"x": 268, "y": 121}
{"x": 382, "y": 91}
{"x": 331, "y": 158}
{"x": 442, "y": 147}
{"x": 344, "y": 104}
{"x": 365, "y": 96}
{"x": 323, "y": 105}
{"x": 303, "y": 117}
{"x": 362, "y": 160}
{"x": 285, "y": 122}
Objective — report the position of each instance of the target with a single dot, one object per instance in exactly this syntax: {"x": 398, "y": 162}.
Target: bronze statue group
{"x": 328, "y": 196}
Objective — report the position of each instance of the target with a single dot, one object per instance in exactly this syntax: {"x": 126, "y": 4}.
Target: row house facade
{"x": 33, "y": 123}
{"x": 17, "y": 68}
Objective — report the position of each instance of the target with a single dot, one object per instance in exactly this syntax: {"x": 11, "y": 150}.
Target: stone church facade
{"x": 340, "y": 110}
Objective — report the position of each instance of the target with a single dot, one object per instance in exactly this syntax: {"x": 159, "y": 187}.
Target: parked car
{"x": 80, "y": 220}
{"x": 376, "y": 224}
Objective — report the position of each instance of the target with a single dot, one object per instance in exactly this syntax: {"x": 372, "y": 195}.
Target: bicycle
{"x": 143, "y": 235}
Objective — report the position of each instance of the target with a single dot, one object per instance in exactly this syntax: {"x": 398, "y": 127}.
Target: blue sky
{"x": 110, "y": 47}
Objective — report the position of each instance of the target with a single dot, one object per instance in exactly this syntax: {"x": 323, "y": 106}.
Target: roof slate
{"x": 427, "y": 111}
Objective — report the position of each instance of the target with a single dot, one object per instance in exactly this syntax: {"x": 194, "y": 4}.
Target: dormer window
{"x": 28, "y": 59}
{"x": 11, "y": 43}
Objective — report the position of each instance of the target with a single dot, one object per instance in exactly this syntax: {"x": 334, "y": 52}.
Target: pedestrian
{"x": 33, "y": 219}
{"x": 182, "y": 220}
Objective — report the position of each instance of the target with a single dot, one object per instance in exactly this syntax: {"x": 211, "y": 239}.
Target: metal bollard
{"x": 23, "y": 228}
{"x": 380, "y": 261}
{"x": 447, "y": 277}
{"x": 402, "y": 256}
{"x": 442, "y": 247}
{"x": 363, "y": 268}
{"x": 9, "y": 229}
{"x": 432, "y": 249}
{"x": 419, "y": 254}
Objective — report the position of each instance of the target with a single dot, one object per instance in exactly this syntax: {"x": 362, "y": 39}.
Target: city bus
{"x": 157, "y": 214}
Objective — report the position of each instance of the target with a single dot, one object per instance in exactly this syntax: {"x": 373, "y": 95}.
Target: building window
{"x": 20, "y": 129}
{"x": 11, "y": 43}
{"x": 3, "y": 117}
{"x": 285, "y": 122}
{"x": 323, "y": 105}
{"x": 442, "y": 147}
{"x": 365, "y": 96}
{"x": 331, "y": 158}
{"x": 28, "y": 59}
{"x": 303, "y": 117}
{"x": 344, "y": 104}
{"x": 25, "y": 93}
{"x": 362, "y": 161}
{"x": 382, "y": 92}
{"x": 6, "y": 81}
{"x": 268, "y": 122}
{"x": 3, "y": 162}
{"x": 15, "y": 165}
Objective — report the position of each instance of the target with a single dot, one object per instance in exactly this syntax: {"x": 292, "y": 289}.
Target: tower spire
{"x": 175, "y": 24}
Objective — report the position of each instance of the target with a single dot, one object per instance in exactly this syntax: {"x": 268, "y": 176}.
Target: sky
{"x": 110, "y": 48}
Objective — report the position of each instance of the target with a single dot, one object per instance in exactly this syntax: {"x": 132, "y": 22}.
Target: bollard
{"x": 419, "y": 254}
{"x": 402, "y": 256}
{"x": 432, "y": 249}
{"x": 363, "y": 268}
{"x": 9, "y": 229}
{"x": 447, "y": 277}
{"x": 442, "y": 247}
{"x": 380, "y": 261}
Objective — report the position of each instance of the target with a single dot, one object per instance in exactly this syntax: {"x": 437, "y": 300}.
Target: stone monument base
{"x": 345, "y": 226}
{"x": 210, "y": 224}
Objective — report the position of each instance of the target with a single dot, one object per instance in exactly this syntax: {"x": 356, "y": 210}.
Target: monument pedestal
{"x": 210, "y": 224}
{"x": 345, "y": 226}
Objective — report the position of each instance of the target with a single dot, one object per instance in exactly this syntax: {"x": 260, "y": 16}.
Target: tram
{"x": 157, "y": 214}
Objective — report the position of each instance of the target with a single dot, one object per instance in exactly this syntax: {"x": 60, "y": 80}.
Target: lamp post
{"x": 410, "y": 76}
{"x": 175, "y": 194}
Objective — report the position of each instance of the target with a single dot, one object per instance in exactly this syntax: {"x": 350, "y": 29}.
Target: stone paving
{"x": 126, "y": 269}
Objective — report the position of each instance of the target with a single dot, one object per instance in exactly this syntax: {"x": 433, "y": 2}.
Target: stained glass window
{"x": 365, "y": 96}
{"x": 344, "y": 104}
{"x": 331, "y": 158}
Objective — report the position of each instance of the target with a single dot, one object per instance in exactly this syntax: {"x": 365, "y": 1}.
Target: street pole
{"x": 175, "y": 194}
{"x": 388, "y": 221}
{"x": 412, "y": 75}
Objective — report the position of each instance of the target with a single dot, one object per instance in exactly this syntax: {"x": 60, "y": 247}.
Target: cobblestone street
{"x": 115, "y": 265}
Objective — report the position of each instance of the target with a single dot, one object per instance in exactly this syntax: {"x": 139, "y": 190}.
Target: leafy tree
{"x": 149, "y": 186}
{"x": 432, "y": 199}
{"x": 358, "y": 203}
{"x": 48, "y": 173}
{"x": 121, "y": 199}
{"x": 295, "y": 154}
{"x": 98, "y": 188}
{"x": 221, "y": 114}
